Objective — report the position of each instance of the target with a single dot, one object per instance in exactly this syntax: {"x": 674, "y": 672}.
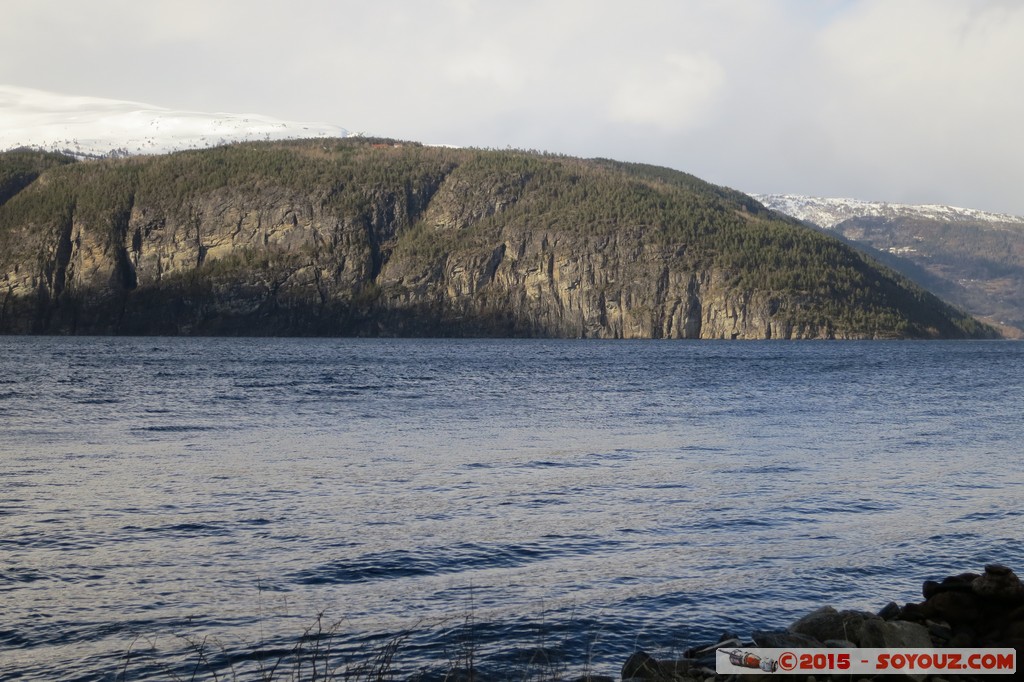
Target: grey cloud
{"x": 913, "y": 100}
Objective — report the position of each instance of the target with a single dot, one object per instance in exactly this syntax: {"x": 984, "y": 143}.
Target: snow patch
{"x": 92, "y": 126}
{"x": 828, "y": 213}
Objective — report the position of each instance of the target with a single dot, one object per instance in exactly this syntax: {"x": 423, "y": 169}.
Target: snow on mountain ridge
{"x": 92, "y": 126}
{"x": 828, "y": 213}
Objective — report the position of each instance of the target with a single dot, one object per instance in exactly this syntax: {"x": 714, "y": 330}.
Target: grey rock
{"x": 930, "y": 588}
{"x": 827, "y": 623}
{"x": 643, "y": 666}
{"x": 939, "y": 630}
{"x": 881, "y": 634}
{"x": 999, "y": 582}
{"x": 895, "y": 634}
{"x": 998, "y": 570}
{"x": 953, "y": 583}
{"x": 962, "y": 640}
{"x": 954, "y": 607}
{"x": 640, "y": 665}
{"x": 890, "y": 611}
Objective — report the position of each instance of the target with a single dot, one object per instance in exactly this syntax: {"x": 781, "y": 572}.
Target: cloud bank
{"x": 915, "y": 101}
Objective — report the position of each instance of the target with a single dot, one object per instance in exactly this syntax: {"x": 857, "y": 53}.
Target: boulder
{"x": 962, "y": 640}
{"x": 890, "y": 611}
{"x": 971, "y": 609}
{"x": 940, "y": 631}
{"x": 640, "y": 666}
{"x": 1015, "y": 632}
{"x": 999, "y": 583}
{"x": 951, "y": 583}
{"x": 894, "y": 634}
{"x": 827, "y": 623}
{"x": 954, "y": 607}
{"x": 643, "y": 666}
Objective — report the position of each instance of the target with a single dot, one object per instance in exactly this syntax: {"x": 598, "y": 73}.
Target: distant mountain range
{"x": 91, "y": 126}
{"x": 828, "y": 213}
{"x": 971, "y": 258}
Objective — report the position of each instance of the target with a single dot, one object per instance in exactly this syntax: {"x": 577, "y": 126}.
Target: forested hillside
{"x": 975, "y": 265}
{"x": 375, "y": 237}
{"x": 970, "y": 258}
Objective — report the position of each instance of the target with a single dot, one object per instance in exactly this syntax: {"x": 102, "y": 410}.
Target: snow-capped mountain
{"x": 828, "y": 213}
{"x": 92, "y": 126}
{"x": 970, "y": 258}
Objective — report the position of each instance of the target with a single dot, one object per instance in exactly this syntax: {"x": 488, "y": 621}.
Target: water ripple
{"x": 534, "y": 492}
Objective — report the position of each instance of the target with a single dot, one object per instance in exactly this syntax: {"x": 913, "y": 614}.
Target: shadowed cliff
{"x": 374, "y": 237}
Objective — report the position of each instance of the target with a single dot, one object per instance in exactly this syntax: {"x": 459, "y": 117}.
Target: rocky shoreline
{"x": 969, "y": 610}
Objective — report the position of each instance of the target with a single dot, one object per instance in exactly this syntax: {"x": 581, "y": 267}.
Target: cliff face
{"x": 546, "y": 284}
{"x": 362, "y": 238}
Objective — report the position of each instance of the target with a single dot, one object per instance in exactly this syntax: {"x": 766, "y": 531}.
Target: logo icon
{"x": 745, "y": 659}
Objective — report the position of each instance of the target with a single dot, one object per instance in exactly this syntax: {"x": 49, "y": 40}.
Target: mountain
{"x": 93, "y": 126}
{"x": 829, "y": 213}
{"x": 370, "y": 237}
{"x": 970, "y": 258}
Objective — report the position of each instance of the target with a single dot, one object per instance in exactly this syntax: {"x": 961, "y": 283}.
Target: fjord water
{"x": 570, "y": 498}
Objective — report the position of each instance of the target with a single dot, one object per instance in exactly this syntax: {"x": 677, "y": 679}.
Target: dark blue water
{"x": 580, "y": 499}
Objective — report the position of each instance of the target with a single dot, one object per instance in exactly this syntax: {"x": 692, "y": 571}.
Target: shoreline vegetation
{"x": 967, "y": 610}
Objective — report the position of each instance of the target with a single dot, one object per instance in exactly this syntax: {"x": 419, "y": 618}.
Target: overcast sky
{"x": 916, "y": 101}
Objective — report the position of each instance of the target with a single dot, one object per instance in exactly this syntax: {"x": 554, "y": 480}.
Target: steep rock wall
{"x": 425, "y": 243}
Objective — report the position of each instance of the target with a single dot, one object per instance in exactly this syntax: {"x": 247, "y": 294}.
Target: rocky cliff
{"x": 372, "y": 237}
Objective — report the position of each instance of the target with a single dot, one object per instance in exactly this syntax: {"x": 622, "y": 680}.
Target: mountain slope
{"x": 375, "y": 237}
{"x": 970, "y": 258}
{"x": 21, "y": 167}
